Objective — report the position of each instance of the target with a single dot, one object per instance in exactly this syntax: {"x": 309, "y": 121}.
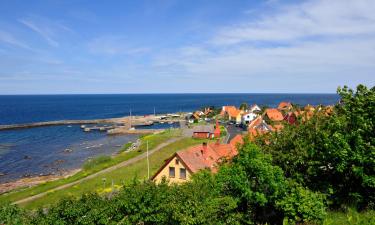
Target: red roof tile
{"x": 256, "y": 122}
{"x": 237, "y": 140}
{"x": 274, "y": 114}
{"x": 284, "y": 105}
{"x": 201, "y": 157}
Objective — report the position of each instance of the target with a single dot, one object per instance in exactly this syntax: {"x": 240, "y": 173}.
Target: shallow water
{"x": 52, "y": 150}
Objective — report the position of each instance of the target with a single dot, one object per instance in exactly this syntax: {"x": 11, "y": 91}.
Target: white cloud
{"x": 325, "y": 18}
{"x": 114, "y": 45}
{"x": 10, "y": 39}
{"x": 315, "y": 41}
{"x": 45, "y": 32}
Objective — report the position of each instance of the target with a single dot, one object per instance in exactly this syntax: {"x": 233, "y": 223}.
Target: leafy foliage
{"x": 301, "y": 204}
{"x": 11, "y": 214}
{"x": 332, "y": 154}
{"x": 244, "y": 106}
{"x": 263, "y": 192}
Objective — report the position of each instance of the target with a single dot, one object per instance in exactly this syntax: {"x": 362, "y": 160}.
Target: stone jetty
{"x": 115, "y": 122}
{"x": 54, "y": 123}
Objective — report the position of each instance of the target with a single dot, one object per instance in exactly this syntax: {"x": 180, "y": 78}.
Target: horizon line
{"x": 169, "y": 93}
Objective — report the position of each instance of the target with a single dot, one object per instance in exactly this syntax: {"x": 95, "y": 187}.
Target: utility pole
{"x": 130, "y": 118}
{"x": 148, "y": 163}
{"x": 154, "y": 111}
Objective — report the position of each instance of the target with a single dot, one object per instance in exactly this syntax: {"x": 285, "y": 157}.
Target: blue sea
{"x": 55, "y": 149}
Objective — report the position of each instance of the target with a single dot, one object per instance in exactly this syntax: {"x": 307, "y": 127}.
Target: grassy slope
{"x": 349, "y": 218}
{"x": 124, "y": 175}
{"x": 153, "y": 140}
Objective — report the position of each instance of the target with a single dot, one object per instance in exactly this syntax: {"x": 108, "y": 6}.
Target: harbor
{"x": 111, "y": 125}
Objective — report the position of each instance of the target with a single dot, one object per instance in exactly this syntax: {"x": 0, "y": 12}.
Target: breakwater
{"x": 55, "y": 123}
{"x": 125, "y": 122}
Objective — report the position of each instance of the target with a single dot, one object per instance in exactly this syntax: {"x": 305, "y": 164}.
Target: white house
{"x": 255, "y": 108}
{"x": 248, "y": 117}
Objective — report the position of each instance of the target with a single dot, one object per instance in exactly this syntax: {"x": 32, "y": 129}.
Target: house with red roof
{"x": 181, "y": 165}
{"x": 285, "y": 106}
{"x": 225, "y": 109}
{"x": 203, "y": 131}
{"x": 292, "y": 117}
{"x": 233, "y": 114}
{"x": 273, "y": 115}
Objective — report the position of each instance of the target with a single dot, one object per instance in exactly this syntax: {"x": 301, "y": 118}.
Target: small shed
{"x": 203, "y": 131}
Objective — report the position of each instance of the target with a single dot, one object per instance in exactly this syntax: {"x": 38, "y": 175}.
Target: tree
{"x": 332, "y": 154}
{"x": 244, "y": 106}
{"x": 262, "y": 191}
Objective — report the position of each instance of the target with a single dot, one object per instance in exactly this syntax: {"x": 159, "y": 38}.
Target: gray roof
{"x": 204, "y": 128}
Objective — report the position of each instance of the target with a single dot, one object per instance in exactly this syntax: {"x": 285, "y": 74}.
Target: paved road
{"x": 233, "y": 130}
{"x": 109, "y": 169}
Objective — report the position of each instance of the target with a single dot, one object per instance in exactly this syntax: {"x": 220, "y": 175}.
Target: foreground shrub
{"x": 12, "y": 214}
{"x": 332, "y": 154}
{"x": 302, "y": 205}
{"x": 263, "y": 193}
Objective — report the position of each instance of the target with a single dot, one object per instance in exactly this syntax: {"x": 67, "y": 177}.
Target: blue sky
{"x": 170, "y": 46}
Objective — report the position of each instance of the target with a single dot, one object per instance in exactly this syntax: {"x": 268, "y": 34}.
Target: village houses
{"x": 181, "y": 165}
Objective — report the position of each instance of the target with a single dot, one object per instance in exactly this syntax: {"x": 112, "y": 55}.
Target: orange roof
{"x": 203, "y": 156}
{"x": 309, "y": 108}
{"x": 234, "y": 112}
{"x": 226, "y": 109}
{"x": 284, "y": 105}
{"x": 274, "y": 114}
{"x": 237, "y": 140}
{"x": 196, "y": 158}
{"x": 256, "y": 122}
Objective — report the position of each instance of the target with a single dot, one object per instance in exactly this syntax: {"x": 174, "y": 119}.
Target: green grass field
{"x": 153, "y": 141}
{"x": 120, "y": 176}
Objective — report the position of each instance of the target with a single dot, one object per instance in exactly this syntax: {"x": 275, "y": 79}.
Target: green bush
{"x": 301, "y": 205}
{"x": 12, "y": 214}
{"x": 332, "y": 154}
{"x": 223, "y": 131}
{"x": 263, "y": 192}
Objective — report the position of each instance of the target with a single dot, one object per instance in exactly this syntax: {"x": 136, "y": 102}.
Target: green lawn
{"x": 153, "y": 140}
{"x": 121, "y": 176}
{"x": 350, "y": 218}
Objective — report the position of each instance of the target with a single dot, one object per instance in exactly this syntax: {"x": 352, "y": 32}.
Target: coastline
{"x": 33, "y": 181}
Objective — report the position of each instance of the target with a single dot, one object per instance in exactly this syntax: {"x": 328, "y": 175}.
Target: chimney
{"x": 204, "y": 149}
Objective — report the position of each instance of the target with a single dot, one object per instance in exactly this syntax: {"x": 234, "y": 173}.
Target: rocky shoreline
{"x": 32, "y": 181}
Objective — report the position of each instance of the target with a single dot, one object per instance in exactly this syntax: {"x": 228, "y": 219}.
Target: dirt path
{"x": 109, "y": 169}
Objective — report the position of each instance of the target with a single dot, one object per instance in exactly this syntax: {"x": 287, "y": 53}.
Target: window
{"x": 171, "y": 172}
{"x": 182, "y": 173}
{"x": 177, "y": 161}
